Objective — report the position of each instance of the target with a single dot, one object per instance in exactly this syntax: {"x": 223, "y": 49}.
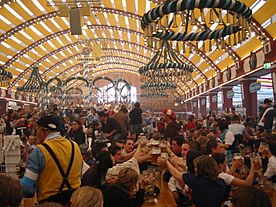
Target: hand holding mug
{"x": 263, "y": 149}
{"x": 147, "y": 180}
{"x": 162, "y": 162}
{"x": 237, "y": 163}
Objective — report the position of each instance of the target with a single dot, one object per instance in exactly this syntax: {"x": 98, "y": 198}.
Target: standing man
{"x": 172, "y": 128}
{"x": 136, "y": 117}
{"x": 266, "y": 118}
{"x": 267, "y": 104}
{"x": 54, "y": 167}
{"x": 122, "y": 118}
{"x": 228, "y": 138}
{"x": 236, "y": 127}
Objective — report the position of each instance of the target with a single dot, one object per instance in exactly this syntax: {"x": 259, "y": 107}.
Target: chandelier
{"x": 34, "y": 83}
{"x": 74, "y": 92}
{"x": 158, "y": 86}
{"x": 198, "y": 20}
{"x": 154, "y": 95}
{"x": 5, "y": 77}
{"x": 165, "y": 65}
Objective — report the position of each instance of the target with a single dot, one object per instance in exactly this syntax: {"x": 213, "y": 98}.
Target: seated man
{"x": 128, "y": 151}
{"x": 270, "y": 153}
{"x": 174, "y": 151}
{"x": 215, "y": 146}
{"x": 138, "y": 158}
{"x": 116, "y": 153}
{"x": 54, "y": 167}
{"x": 176, "y": 145}
{"x": 110, "y": 127}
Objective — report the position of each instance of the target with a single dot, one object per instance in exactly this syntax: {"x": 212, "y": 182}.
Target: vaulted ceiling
{"x": 33, "y": 33}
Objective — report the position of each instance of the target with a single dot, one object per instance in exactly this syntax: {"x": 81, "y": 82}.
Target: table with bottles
{"x": 158, "y": 148}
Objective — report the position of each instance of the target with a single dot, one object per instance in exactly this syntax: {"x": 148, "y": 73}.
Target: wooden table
{"x": 273, "y": 198}
{"x": 165, "y": 198}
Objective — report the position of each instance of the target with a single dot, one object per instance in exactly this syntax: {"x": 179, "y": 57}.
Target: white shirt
{"x": 236, "y": 128}
{"x": 174, "y": 185}
{"x": 85, "y": 167}
{"x": 271, "y": 167}
{"x": 228, "y": 179}
{"x": 204, "y": 123}
{"x": 261, "y": 122}
{"x": 114, "y": 171}
{"x": 229, "y": 137}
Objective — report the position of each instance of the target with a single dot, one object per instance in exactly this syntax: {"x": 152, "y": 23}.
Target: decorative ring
{"x": 28, "y": 88}
{"x": 197, "y": 36}
{"x": 5, "y": 73}
{"x": 181, "y": 5}
{"x": 159, "y": 66}
{"x": 154, "y": 95}
{"x": 160, "y": 86}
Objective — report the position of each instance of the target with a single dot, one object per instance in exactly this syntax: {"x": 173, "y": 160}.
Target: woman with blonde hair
{"x": 123, "y": 191}
{"x": 87, "y": 196}
{"x": 207, "y": 188}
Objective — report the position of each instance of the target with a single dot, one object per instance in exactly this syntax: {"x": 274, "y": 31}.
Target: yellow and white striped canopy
{"x": 32, "y": 32}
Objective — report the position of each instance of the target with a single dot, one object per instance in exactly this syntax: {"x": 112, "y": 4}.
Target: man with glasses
{"x": 54, "y": 167}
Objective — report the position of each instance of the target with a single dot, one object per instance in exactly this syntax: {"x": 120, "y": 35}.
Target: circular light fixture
{"x": 238, "y": 17}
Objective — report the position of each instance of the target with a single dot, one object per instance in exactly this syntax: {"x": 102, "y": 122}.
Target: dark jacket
{"x": 77, "y": 136}
{"x": 135, "y": 116}
{"x": 110, "y": 125}
{"x": 95, "y": 175}
{"x": 117, "y": 196}
{"x": 123, "y": 121}
{"x": 268, "y": 122}
{"x": 172, "y": 130}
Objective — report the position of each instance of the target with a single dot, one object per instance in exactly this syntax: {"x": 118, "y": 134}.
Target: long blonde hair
{"x": 128, "y": 179}
{"x": 87, "y": 196}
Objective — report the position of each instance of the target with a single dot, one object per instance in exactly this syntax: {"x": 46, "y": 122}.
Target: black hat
{"x": 49, "y": 122}
{"x": 266, "y": 101}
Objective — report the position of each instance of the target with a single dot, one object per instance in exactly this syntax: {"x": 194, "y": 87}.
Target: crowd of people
{"x": 97, "y": 156}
